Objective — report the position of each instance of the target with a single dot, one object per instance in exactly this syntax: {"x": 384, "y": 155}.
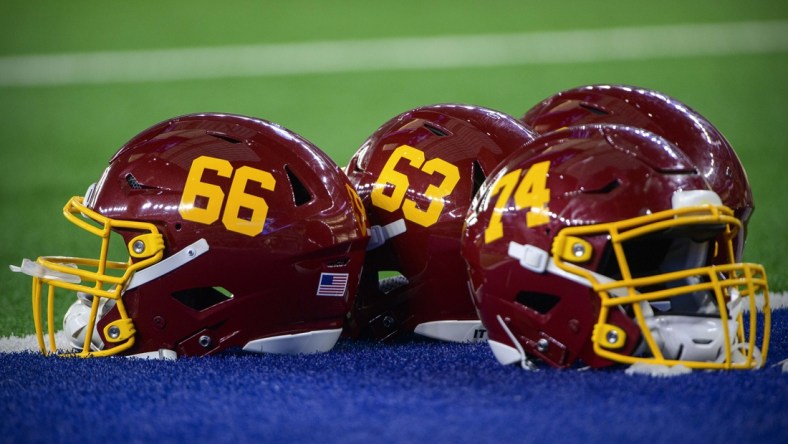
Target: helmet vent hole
{"x": 478, "y": 177}
{"x": 133, "y": 182}
{"x": 202, "y": 298}
{"x": 435, "y": 130}
{"x": 301, "y": 195}
{"x": 540, "y": 302}
{"x": 612, "y": 185}
{"x": 593, "y": 109}
{"x": 225, "y": 138}
{"x": 341, "y": 262}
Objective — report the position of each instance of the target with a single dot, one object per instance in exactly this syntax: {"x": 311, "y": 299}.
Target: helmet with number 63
{"x": 651, "y": 110}
{"x": 416, "y": 176}
{"x": 236, "y": 233}
{"x": 602, "y": 244}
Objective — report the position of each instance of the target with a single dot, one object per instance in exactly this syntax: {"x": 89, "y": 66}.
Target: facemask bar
{"x": 90, "y": 276}
{"x": 730, "y": 284}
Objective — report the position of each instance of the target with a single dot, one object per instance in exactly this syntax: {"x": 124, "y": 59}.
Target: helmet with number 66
{"x": 603, "y": 244}
{"x": 233, "y": 232}
{"x": 416, "y": 176}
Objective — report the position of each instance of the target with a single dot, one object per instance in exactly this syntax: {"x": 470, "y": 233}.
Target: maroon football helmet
{"x": 602, "y": 244}
{"x": 416, "y": 176}
{"x": 237, "y": 233}
{"x": 651, "y": 110}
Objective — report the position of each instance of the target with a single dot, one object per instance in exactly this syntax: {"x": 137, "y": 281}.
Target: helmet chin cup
{"x": 691, "y": 338}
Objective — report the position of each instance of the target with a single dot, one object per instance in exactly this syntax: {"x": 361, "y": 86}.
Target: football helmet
{"x": 416, "y": 176}
{"x": 236, "y": 233}
{"x": 602, "y": 244}
{"x": 651, "y": 110}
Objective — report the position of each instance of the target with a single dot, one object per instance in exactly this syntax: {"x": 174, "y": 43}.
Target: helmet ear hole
{"x": 542, "y": 303}
{"x": 202, "y": 298}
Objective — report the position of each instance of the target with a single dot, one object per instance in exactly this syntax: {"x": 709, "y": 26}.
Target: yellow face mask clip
{"x": 609, "y": 336}
{"x": 146, "y": 245}
{"x": 575, "y": 249}
{"x": 119, "y": 331}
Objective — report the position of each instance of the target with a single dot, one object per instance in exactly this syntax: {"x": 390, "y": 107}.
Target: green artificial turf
{"x": 56, "y": 140}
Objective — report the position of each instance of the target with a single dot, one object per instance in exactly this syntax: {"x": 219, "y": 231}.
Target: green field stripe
{"x": 409, "y": 53}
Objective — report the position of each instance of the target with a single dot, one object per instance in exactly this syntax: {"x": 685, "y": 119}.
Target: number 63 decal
{"x": 531, "y": 192}
{"x": 390, "y": 176}
{"x": 236, "y": 199}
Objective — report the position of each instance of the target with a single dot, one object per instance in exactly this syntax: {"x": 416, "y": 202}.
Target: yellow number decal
{"x": 391, "y": 176}
{"x": 400, "y": 183}
{"x": 531, "y": 192}
{"x": 213, "y": 194}
{"x": 503, "y": 188}
{"x": 451, "y": 175}
{"x": 237, "y": 198}
{"x": 358, "y": 209}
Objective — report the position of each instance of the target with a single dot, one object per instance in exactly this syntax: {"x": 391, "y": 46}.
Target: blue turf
{"x": 411, "y": 391}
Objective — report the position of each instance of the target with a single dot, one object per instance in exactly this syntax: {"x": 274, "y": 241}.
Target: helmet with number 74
{"x": 601, "y": 244}
{"x": 416, "y": 176}
{"x": 231, "y": 232}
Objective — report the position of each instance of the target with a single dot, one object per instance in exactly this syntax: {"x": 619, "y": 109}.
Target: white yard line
{"x": 409, "y": 53}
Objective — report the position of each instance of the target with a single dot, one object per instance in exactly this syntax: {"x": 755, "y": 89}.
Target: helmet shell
{"x": 276, "y": 212}
{"x": 660, "y": 114}
{"x": 423, "y": 167}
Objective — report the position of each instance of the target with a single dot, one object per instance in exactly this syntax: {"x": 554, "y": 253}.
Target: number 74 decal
{"x": 531, "y": 192}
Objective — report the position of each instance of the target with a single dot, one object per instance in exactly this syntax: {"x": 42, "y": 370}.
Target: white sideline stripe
{"x": 17, "y": 344}
{"x": 410, "y": 53}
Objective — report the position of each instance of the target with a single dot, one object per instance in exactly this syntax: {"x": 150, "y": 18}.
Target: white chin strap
{"x": 34, "y": 269}
{"x": 380, "y": 234}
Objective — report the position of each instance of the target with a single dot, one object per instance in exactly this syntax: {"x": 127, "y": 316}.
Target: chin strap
{"x": 34, "y": 269}
{"x": 379, "y": 234}
{"x": 165, "y": 266}
{"x": 525, "y": 363}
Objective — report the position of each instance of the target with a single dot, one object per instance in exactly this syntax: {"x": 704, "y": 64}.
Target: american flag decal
{"x": 332, "y": 284}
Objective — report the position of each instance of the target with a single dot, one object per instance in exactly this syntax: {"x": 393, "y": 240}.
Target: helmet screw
{"x": 542, "y": 345}
{"x": 611, "y": 337}
{"x": 114, "y": 332}
{"x": 159, "y": 321}
{"x": 388, "y": 321}
{"x": 138, "y": 247}
{"x": 578, "y": 249}
{"x": 205, "y": 341}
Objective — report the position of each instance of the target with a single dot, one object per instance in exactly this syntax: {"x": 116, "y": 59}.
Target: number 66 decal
{"x": 236, "y": 199}
{"x": 389, "y": 175}
{"x": 532, "y": 192}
